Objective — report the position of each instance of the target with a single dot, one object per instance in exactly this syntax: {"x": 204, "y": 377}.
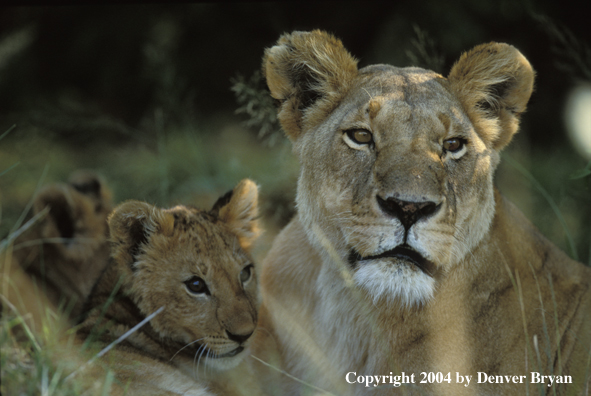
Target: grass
{"x": 183, "y": 166}
{"x": 551, "y": 203}
{"x": 196, "y": 163}
{"x": 29, "y": 342}
{"x": 539, "y": 183}
{"x": 177, "y": 167}
{"x": 186, "y": 165}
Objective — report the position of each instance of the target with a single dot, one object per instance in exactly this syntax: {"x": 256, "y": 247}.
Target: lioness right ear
{"x": 494, "y": 82}
{"x": 239, "y": 210}
{"x": 130, "y": 226}
{"x": 308, "y": 72}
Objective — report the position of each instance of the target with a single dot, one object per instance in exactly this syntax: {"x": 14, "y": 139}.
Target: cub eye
{"x": 246, "y": 273}
{"x": 197, "y": 285}
{"x": 360, "y": 136}
{"x": 453, "y": 145}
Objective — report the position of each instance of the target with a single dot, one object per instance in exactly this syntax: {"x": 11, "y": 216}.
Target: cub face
{"x": 397, "y": 163}
{"x": 196, "y": 264}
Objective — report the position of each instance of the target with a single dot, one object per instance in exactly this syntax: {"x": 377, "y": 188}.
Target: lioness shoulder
{"x": 188, "y": 276}
{"x": 403, "y": 256}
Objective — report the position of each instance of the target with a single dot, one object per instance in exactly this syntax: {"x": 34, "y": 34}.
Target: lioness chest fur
{"x": 403, "y": 257}
{"x": 190, "y": 267}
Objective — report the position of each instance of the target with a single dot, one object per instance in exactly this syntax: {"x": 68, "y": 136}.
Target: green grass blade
{"x": 9, "y": 169}
{"x": 7, "y": 132}
{"x": 30, "y": 203}
{"x": 548, "y": 199}
{"x": 14, "y": 235}
{"x": 117, "y": 341}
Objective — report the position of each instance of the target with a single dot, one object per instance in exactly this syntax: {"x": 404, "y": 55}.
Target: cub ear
{"x": 131, "y": 224}
{"x": 60, "y": 219}
{"x": 93, "y": 186}
{"x": 239, "y": 210}
{"x": 86, "y": 182}
{"x": 308, "y": 72}
{"x": 74, "y": 218}
{"x": 494, "y": 82}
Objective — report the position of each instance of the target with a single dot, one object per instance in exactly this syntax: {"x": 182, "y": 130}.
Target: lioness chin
{"x": 403, "y": 257}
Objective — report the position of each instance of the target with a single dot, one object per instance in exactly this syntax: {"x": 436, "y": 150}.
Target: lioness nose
{"x": 407, "y": 212}
{"x": 239, "y": 338}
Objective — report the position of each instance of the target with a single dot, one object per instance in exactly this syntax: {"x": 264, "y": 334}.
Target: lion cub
{"x": 65, "y": 253}
{"x": 192, "y": 267}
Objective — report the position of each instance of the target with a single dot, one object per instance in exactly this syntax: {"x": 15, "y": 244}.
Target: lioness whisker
{"x": 397, "y": 180}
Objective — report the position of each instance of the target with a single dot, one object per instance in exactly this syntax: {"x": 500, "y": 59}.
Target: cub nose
{"x": 239, "y": 338}
{"x": 407, "y": 212}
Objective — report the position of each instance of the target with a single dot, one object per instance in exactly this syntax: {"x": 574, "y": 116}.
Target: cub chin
{"x": 192, "y": 269}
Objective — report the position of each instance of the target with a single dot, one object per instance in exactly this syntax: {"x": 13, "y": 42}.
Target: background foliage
{"x": 148, "y": 94}
{"x": 141, "y": 92}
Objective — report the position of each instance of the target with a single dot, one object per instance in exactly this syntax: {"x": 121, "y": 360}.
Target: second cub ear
{"x": 494, "y": 82}
{"x": 308, "y": 72}
{"x": 131, "y": 224}
{"x": 60, "y": 222}
{"x": 239, "y": 210}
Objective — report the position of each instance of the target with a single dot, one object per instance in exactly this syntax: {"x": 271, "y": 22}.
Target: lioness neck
{"x": 314, "y": 307}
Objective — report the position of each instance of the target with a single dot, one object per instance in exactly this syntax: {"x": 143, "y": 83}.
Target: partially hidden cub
{"x": 193, "y": 269}
{"x": 65, "y": 253}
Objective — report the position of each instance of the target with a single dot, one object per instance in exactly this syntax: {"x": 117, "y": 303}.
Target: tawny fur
{"x": 500, "y": 299}
{"x": 65, "y": 253}
{"x": 155, "y": 252}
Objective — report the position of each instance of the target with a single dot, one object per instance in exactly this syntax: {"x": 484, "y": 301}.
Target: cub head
{"x": 196, "y": 264}
{"x": 396, "y": 163}
{"x": 76, "y": 225}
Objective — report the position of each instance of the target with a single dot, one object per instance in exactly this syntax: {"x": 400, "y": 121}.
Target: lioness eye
{"x": 453, "y": 145}
{"x": 197, "y": 285}
{"x": 360, "y": 136}
{"x": 246, "y": 273}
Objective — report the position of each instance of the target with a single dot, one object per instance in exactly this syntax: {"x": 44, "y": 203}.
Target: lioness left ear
{"x": 494, "y": 82}
{"x": 239, "y": 210}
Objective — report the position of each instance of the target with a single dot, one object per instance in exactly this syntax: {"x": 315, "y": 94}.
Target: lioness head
{"x": 397, "y": 163}
{"x": 197, "y": 265}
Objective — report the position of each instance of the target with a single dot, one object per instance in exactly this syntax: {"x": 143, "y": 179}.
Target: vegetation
{"x": 147, "y": 96}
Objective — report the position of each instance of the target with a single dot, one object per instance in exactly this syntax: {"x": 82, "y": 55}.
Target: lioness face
{"x": 391, "y": 174}
{"x": 397, "y": 164}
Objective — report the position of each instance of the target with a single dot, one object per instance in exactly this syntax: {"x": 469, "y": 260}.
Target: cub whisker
{"x": 197, "y": 361}
{"x": 189, "y": 344}
{"x": 186, "y": 259}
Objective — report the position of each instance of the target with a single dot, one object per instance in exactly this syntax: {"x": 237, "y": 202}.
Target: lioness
{"x": 403, "y": 257}
{"x": 193, "y": 269}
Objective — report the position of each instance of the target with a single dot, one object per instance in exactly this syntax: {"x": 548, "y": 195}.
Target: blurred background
{"x": 166, "y": 103}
